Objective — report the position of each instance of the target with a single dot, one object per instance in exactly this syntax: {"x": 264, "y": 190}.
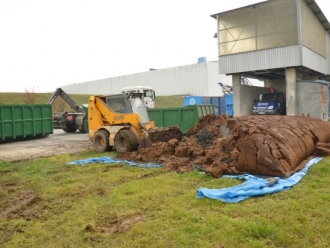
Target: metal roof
{"x": 246, "y": 6}
{"x": 310, "y": 3}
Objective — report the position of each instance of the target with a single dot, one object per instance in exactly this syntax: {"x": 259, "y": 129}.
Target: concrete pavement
{"x": 58, "y": 143}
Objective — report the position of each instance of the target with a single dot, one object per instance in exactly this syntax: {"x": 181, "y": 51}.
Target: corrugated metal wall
{"x": 314, "y": 61}
{"x": 328, "y": 52}
{"x": 260, "y": 60}
{"x": 197, "y": 79}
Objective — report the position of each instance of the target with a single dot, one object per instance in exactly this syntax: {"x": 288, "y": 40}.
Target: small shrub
{"x": 59, "y": 105}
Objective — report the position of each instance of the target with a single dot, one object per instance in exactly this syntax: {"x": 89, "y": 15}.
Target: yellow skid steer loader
{"x": 121, "y": 121}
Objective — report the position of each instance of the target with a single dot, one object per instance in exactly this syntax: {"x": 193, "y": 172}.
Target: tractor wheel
{"x": 101, "y": 141}
{"x": 83, "y": 129}
{"x": 125, "y": 141}
{"x": 70, "y": 129}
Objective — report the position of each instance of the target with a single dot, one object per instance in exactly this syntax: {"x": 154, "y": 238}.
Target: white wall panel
{"x": 214, "y": 78}
{"x": 183, "y": 80}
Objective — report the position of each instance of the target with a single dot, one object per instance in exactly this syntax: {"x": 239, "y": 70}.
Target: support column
{"x": 237, "y": 88}
{"x": 291, "y": 89}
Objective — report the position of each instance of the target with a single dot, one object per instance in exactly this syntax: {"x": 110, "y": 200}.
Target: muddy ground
{"x": 261, "y": 145}
{"x": 29, "y": 206}
{"x": 58, "y": 143}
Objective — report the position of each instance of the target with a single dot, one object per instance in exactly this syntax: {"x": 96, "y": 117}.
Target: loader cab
{"x": 119, "y": 103}
{"x": 128, "y": 104}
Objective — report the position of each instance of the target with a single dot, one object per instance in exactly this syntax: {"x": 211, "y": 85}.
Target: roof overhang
{"x": 318, "y": 13}
{"x": 279, "y": 73}
{"x": 310, "y": 3}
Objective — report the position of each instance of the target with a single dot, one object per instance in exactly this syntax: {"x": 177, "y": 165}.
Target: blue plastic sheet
{"x": 254, "y": 186}
{"x": 108, "y": 160}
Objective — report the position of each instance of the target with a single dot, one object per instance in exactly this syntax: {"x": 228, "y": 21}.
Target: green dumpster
{"x": 184, "y": 117}
{"x": 25, "y": 121}
{"x": 85, "y": 108}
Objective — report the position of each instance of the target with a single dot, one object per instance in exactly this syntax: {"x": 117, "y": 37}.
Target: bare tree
{"x": 59, "y": 105}
{"x": 30, "y": 96}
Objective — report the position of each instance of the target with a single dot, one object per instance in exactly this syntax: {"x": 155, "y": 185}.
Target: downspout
{"x": 218, "y": 36}
{"x": 299, "y": 33}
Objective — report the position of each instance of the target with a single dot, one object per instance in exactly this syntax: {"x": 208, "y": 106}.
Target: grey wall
{"x": 248, "y": 94}
{"x": 312, "y": 99}
{"x": 279, "y": 85}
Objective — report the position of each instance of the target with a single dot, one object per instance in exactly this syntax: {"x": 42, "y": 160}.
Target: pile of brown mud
{"x": 260, "y": 145}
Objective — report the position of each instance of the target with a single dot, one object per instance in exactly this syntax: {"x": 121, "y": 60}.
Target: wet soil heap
{"x": 262, "y": 145}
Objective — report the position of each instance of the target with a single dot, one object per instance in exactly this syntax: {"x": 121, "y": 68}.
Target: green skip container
{"x": 184, "y": 117}
{"x": 19, "y": 122}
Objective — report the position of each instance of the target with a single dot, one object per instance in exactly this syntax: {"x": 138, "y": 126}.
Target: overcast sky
{"x": 45, "y": 44}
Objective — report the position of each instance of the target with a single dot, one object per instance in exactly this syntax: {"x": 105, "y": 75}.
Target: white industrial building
{"x": 199, "y": 79}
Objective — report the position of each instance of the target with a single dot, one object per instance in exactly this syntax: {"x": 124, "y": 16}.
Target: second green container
{"x": 184, "y": 117}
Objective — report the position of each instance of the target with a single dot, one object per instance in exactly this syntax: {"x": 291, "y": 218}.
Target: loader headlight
{"x": 271, "y": 107}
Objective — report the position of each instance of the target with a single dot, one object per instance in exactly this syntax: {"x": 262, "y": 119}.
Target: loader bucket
{"x": 165, "y": 134}
{"x": 145, "y": 142}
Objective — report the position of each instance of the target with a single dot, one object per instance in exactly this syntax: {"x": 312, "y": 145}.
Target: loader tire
{"x": 125, "y": 141}
{"x": 101, "y": 141}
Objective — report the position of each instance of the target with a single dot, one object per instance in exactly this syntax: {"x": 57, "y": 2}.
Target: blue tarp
{"x": 254, "y": 186}
{"x": 108, "y": 160}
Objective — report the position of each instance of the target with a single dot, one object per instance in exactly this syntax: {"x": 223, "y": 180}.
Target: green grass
{"x": 42, "y": 98}
{"x": 169, "y": 101}
{"x": 73, "y": 198}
